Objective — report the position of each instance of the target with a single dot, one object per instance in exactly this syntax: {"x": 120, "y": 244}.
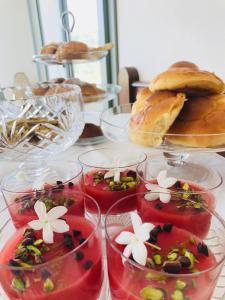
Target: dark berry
{"x": 81, "y": 240}
{"x": 58, "y": 182}
{"x": 76, "y": 233}
{"x": 28, "y": 241}
{"x": 178, "y": 185}
{"x": 172, "y": 267}
{"x": 13, "y": 263}
{"x": 158, "y": 206}
{"x": 167, "y": 227}
{"x": 61, "y": 186}
{"x": 87, "y": 265}
{"x": 203, "y": 249}
{"x": 153, "y": 239}
{"x": 79, "y": 255}
{"x": 185, "y": 262}
{"x": 45, "y": 274}
{"x": 28, "y": 233}
{"x": 132, "y": 174}
{"x": 70, "y": 184}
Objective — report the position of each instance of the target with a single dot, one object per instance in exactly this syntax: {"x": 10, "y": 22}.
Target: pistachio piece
{"x": 131, "y": 184}
{"x": 177, "y": 295}
{"x": 127, "y": 179}
{"x": 157, "y": 259}
{"x": 172, "y": 256}
{"x": 186, "y": 187}
{"x": 18, "y": 284}
{"x": 34, "y": 249}
{"x": 191, "y": 257}
{"x": 180, "y": 285}
{"x": 38, "y": 242}
{"x": 152, "y": 293}
{"x": 156, "y": 277}
{"x": 48, "y": 285}
{"x": 194, "y": 283}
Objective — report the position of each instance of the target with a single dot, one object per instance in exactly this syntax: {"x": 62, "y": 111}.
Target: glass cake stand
{"x": 114, "y": 124}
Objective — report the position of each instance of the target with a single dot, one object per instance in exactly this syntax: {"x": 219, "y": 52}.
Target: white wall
{"x": 16, "y": 48}
{"x": 155, "y": 33}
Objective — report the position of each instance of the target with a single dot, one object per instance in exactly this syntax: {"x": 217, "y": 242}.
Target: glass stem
{"x": 175, "y": 159}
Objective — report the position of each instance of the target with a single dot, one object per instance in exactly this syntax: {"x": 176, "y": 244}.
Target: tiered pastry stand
{"x": 177, "y": 159}
{"x": 92, "y": 108}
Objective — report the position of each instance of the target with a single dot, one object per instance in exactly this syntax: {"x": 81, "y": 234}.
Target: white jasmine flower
{"x": 160, "y": 191}
{"x": 116, "y": 170}
{"x": 49, "y": 222}
{"x": 136, "y": 241}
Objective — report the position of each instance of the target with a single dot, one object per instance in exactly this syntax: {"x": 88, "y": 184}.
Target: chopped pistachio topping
{"x": 18, "y": 284}
{"x": 34, "y": 249}
{"x": 156, "y": 277}
{"x": 157, "y": 259}
{"x": 180, "y": 285}
{"x": 194, "y": 283}
{"x": 177, "y": 295}
{"x": 38, "y": 242}
{"x": 191, "y": 257}
{"x": 172, "y": 256}
{"x": 48, "y": 285}
{"x": 152, "y": 293}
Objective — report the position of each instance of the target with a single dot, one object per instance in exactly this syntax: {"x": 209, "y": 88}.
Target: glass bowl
{"x": 96, "y": 163}
{"x": 38, "y": 126}
{"x": 130, "y": 280}
{"x": 57, "y": 183}
{"x": 114, "y": 123}
{"x": 70, "y": 268}
{"x": 79, "y": 57}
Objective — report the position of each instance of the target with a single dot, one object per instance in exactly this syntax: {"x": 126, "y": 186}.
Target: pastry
{"x": 148, "y": 126}
{"x": 90, "y": 91}
{"x": 142, "y": 95}
{"x": 50, "y": 48}
{"x": 70, "y": 50}
{"x": 57, "y": 89}
{"x": 40, "y": 89}
{"x": 91, "y": 131}
{"x": 201, "y": 123}
{"x": 186, "y": 77}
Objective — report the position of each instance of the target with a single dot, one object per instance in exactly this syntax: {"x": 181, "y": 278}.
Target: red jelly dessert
{"x": 175, "y": 260}
{"x": 107, "y": 191}
{"x": 53, "y": 271}
{"x": 186, "y": 208}
{"x": 22, "y": 207}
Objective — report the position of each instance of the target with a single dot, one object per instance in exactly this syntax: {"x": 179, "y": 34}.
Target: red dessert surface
{"x": 22, "y": 216}
{"x": 71, "y": 280}
{"x": 105, "y": 196}
{"x": 127, "y": 281}
{"x": 194, "y": 220}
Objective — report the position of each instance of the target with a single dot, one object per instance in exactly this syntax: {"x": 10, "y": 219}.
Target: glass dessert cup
{"x": 109, "y": 176}
{"x": 57, "y": 185}
{"x": 185, "y": 207}
{"x": 35, "y": 127}
{"x": 114, "y": 124}
{"x": 70, "y": 268}
{"x": 183, "y": 267}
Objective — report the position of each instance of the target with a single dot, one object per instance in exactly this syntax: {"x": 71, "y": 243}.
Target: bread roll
{"x": 142, "y": 95}
{"x": 203, "y": 117}
{"x": 187, "y": 78}
{"x": 70, "y": 50}
{"x": 50, "y": 48}
{"x": 148, "y": 126}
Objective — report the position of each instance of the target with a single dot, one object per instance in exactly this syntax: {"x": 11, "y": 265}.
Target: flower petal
{"x": 165, "y": 197}
{"x": 109, "y": 174}
{"x": 57, "y": 212}
{"x": 136, "y": 221}
{"x": 40, "y": 210}
{"x": 59, "y": 226}
{"x": 117, "y": 176}
{"x": 143, "y": 233}
{"x": 124, "y": 238}
{"x": 139, "y": 253}
{"x": 47, "y": 234}
{"x": 161, "y": 176}
{"x": 127, "y": 252}
{"x": 36, "y": 224}
{"x": 151, "y": 187}
{"x": 151, "y": 196}
{"x": 170, "y": 181}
